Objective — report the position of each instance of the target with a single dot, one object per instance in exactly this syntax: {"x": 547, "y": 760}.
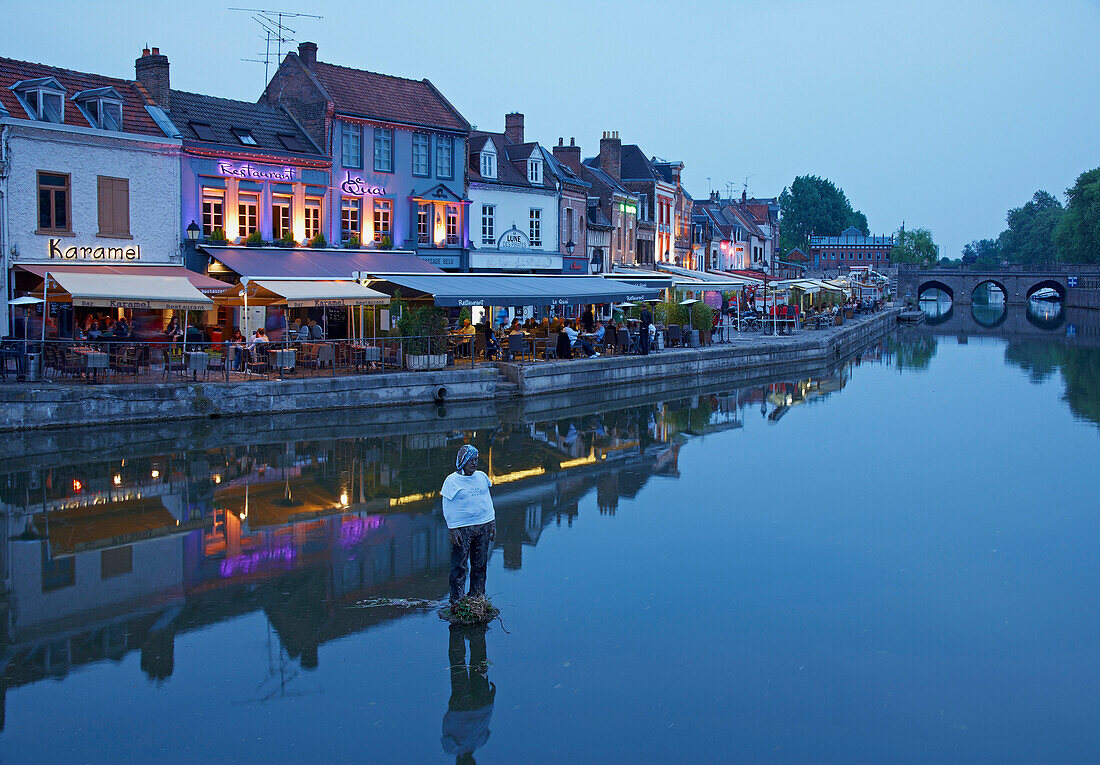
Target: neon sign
{"x": 248, "y": 170}
{"x": 356, "y": 186}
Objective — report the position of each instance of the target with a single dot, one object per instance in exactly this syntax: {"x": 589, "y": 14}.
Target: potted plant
{"x": 425, "y": 330}
{"x": 286, "y": 240}
{"x": 386, "y": 243}
{"x": 352, "y": 243}
{"x": 254, "y": 240}
{"x": 217, "y": 236}
{"x": 702, "y": 323}
{"x": 318, "y": 241}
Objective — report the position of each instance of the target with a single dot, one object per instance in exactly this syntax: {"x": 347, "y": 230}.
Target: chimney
{"x": 744, "y": 196}
{"x": 307, "y": 54}
{"x": 151, "y": 70}
{"x": 611, "y": 154}
{"x": 570, "y": 155}
{"x": 513, "y": 127}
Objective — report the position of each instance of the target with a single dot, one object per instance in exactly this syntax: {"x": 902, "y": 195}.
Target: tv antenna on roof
{"x": 274, "y": 30}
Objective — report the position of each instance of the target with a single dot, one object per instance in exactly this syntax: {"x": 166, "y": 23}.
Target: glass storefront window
{"x": 248, "y": 214}
{"x": 280, "y": 217}
{"x": 423, "y": 224}
{"x": 350, "y": 218}
{"x": 213, "y": 212}
{"x": 313, "y": 217}
{"x": 383, "y": 219}
{"x": 452, "y": 224}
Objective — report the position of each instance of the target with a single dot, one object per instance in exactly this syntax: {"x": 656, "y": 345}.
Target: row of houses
{"x": 132, "y": 172}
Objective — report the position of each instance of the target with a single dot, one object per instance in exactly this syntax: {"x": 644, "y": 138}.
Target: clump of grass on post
{"x": 470, "y": 610}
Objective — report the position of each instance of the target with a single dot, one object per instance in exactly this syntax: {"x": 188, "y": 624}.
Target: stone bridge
{"x": 1079, "y": 286}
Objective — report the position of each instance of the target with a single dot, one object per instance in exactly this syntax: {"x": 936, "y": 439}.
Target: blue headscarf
{"x": 466, "y": 453}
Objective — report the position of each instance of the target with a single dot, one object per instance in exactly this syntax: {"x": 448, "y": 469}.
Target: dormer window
{"x": 534, "y": 170}
{"x": 102, "y": 107}
{"x": 245, "y": 136}
{"x": 43, "y": 99}
{"x": 488, "y": 164}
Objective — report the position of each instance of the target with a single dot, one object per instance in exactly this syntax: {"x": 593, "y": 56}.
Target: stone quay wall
{"x": 30, "y": 407}
{"x": 761, "y": 355}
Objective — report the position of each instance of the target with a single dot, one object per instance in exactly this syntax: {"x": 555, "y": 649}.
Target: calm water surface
{"x": 894, "y": 562}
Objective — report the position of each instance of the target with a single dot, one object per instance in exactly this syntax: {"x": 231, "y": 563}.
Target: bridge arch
{"x": 1053, "y": 284}
{"x": 993, "y": 282}
{"x": 935, "y": 284}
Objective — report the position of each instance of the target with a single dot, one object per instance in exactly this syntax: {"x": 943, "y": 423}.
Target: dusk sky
{"x": 944, "y": 114}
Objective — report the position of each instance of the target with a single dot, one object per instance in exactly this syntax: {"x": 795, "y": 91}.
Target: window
{"x": 43, "y": 99}
{"x": 350, "y": 218}
{"x": 420, "y": 145}
{"x": 114, "y": 206}
{"x": 351, "y": 145}
{"x": 202, "y": 131}
{"x": 383, "y": 219}
{"x": 57, "y": 572}
{"x": 536, "y": 228}
{"x": 102, "y": 107}
{"x": 245, "y": 136}
{"x": 452, "y": 224}
{"x": 424, "y": 224}
{"x": 53, "y": 203}
{"x": 116, "y": 561}
{"x": 488, "y": 224}
{"x": 568, "y": 237}
{"x": 213, "y": 208}
{"x": 488, "y": 165}
{"x": 444, "y": 156}
{"x": 534, "y": 170}
{"x": 313, "y": 217}
{"x": 280, "y": 217}
{"x": 291, "y": 142}
{"x": 248, "y": 209}
{"x": 383, "y": 150}
{"x": 643, "y": 205}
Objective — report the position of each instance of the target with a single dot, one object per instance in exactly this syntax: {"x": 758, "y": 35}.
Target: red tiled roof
{"x": 134, "y": 117}
{"x": 387, "y": 98}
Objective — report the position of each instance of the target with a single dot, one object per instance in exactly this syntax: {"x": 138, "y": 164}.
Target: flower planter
{"x": 425, "y": 361}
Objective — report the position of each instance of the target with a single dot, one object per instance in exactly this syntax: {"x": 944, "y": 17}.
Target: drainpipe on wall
{"x": 5, "y": 153}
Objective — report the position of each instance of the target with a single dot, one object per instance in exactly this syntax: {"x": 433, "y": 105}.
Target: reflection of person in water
{"x": 466, "y": 724}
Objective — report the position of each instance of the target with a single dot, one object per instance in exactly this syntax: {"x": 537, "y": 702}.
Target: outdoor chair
{"x": 675, "y": 335}
{"x": 326, "y": 356}
{"x": 257, "y": 362}
{"x": 550, "y": 350}
{"x": 626, "y": 343}
{"x": 609, "y": 343}
{"x": 517, "y": 346}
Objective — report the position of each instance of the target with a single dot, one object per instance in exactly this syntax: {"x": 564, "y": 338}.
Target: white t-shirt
{"x": 466, "y": 500}
{"x": 572, "y": 333}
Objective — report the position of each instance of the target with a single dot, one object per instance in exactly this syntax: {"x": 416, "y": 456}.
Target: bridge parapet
{"x": 1078, "y": 285}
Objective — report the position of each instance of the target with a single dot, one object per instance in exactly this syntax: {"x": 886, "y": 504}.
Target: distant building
{"x": 617, "y": 203}
{"x": 851, "y": 248}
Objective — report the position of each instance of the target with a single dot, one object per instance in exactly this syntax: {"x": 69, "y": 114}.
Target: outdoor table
{"x": 365, "y": 354}
{"x": 197, "y": 360}
{"x": 283, "y": 358}
{"x": 93, "y": 361}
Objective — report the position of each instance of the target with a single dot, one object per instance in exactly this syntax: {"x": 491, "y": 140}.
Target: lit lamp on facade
{"x": 569, "y": 247}
{"x": 193, "y": 232}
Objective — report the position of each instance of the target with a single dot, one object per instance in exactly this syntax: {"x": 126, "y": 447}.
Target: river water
{"x": 893, "y": 561}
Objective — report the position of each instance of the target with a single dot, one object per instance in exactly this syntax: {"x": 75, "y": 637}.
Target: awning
{"x": 686, "y": 278}
{"x": 809, "y": 286}
{"x": 640, "y": 276}
{"x": 204, "y": 284}
{"x": 512, "y": 289}
{"x": 260, "y": 262}
{"x": 295, "y": 293}
{"x": 116, "y": 291}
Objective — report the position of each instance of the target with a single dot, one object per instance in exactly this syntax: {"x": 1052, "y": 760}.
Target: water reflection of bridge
{"x": 1078, "y": 327}
{"x": 129, "y": 548}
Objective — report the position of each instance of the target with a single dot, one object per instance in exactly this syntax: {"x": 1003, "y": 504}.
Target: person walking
{"x": 643, "y": 334}
{"x": 471, "y": 520}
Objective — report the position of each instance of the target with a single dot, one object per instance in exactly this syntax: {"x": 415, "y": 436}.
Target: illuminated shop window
{"x": 248, "y": 214}
{"x": 280, "y": 217}
{"x": 452, "y": 224}
{"x": 383, "y": 219}
{"x": 313, "y": 217}
{"x": 424, "y": 224}
{"x": 213, "y": 209}
{"x": 350, "y": 217}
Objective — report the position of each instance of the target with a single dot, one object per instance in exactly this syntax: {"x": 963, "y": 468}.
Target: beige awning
{"x": 118, "y": 291}
{"x": 301, "y": 293}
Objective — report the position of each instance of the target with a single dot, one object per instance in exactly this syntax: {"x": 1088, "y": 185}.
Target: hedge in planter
{"x": 426, "y": 330}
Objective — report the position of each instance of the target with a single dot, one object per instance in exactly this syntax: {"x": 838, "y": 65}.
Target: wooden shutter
{"x": 122, "y": 206}
{"x": 114, "y": 206}
{"x": 105, "y": 192}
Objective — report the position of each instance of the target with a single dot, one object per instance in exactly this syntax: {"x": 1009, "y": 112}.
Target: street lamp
{"x": 193, "y": 232}
{"x": 569, "y": 247}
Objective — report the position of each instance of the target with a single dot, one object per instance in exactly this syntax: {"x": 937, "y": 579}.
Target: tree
{"x": 1077, "y": 235}
{"x": 981, "y": 253}
{"x": 814, "y": 205}
{"x": 915, "y": 246}
{"x": 1029, "y": 236}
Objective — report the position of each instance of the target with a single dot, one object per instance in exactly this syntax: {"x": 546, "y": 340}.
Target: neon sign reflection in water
{"x": 277, "y": 557}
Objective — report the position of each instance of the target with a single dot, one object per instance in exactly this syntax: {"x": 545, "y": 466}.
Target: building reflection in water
{"x": 124, "y": 554}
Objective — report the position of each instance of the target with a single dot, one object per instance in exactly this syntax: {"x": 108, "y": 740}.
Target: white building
{"x": 514, "y": 203}
{"x": 87, "y": 176}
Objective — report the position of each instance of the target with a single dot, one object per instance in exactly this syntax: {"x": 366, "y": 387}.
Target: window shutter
{"x": 105, "y": 195}
{"x": 122, "y": 207}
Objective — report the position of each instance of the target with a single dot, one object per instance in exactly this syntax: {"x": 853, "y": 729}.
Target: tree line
{"x": 1045, "y": 231}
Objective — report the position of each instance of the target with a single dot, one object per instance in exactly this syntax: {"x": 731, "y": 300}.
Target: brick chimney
{"x": 513, "y": 127}
{"x": 611, "y": 154}
{"x": 570, "y": 155}
{"x": 151, "y": 70}
{"x": 307, "y": 54}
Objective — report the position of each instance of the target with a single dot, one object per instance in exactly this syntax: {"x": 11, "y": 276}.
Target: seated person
{"x": 576, "y": 341}
{"x": 467, "y": 328}
{"x": 516, "y": 329}
{"x": 600, "y": 333}
{"x": 302, "y": 332}
{"x": 315, "y": 332}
